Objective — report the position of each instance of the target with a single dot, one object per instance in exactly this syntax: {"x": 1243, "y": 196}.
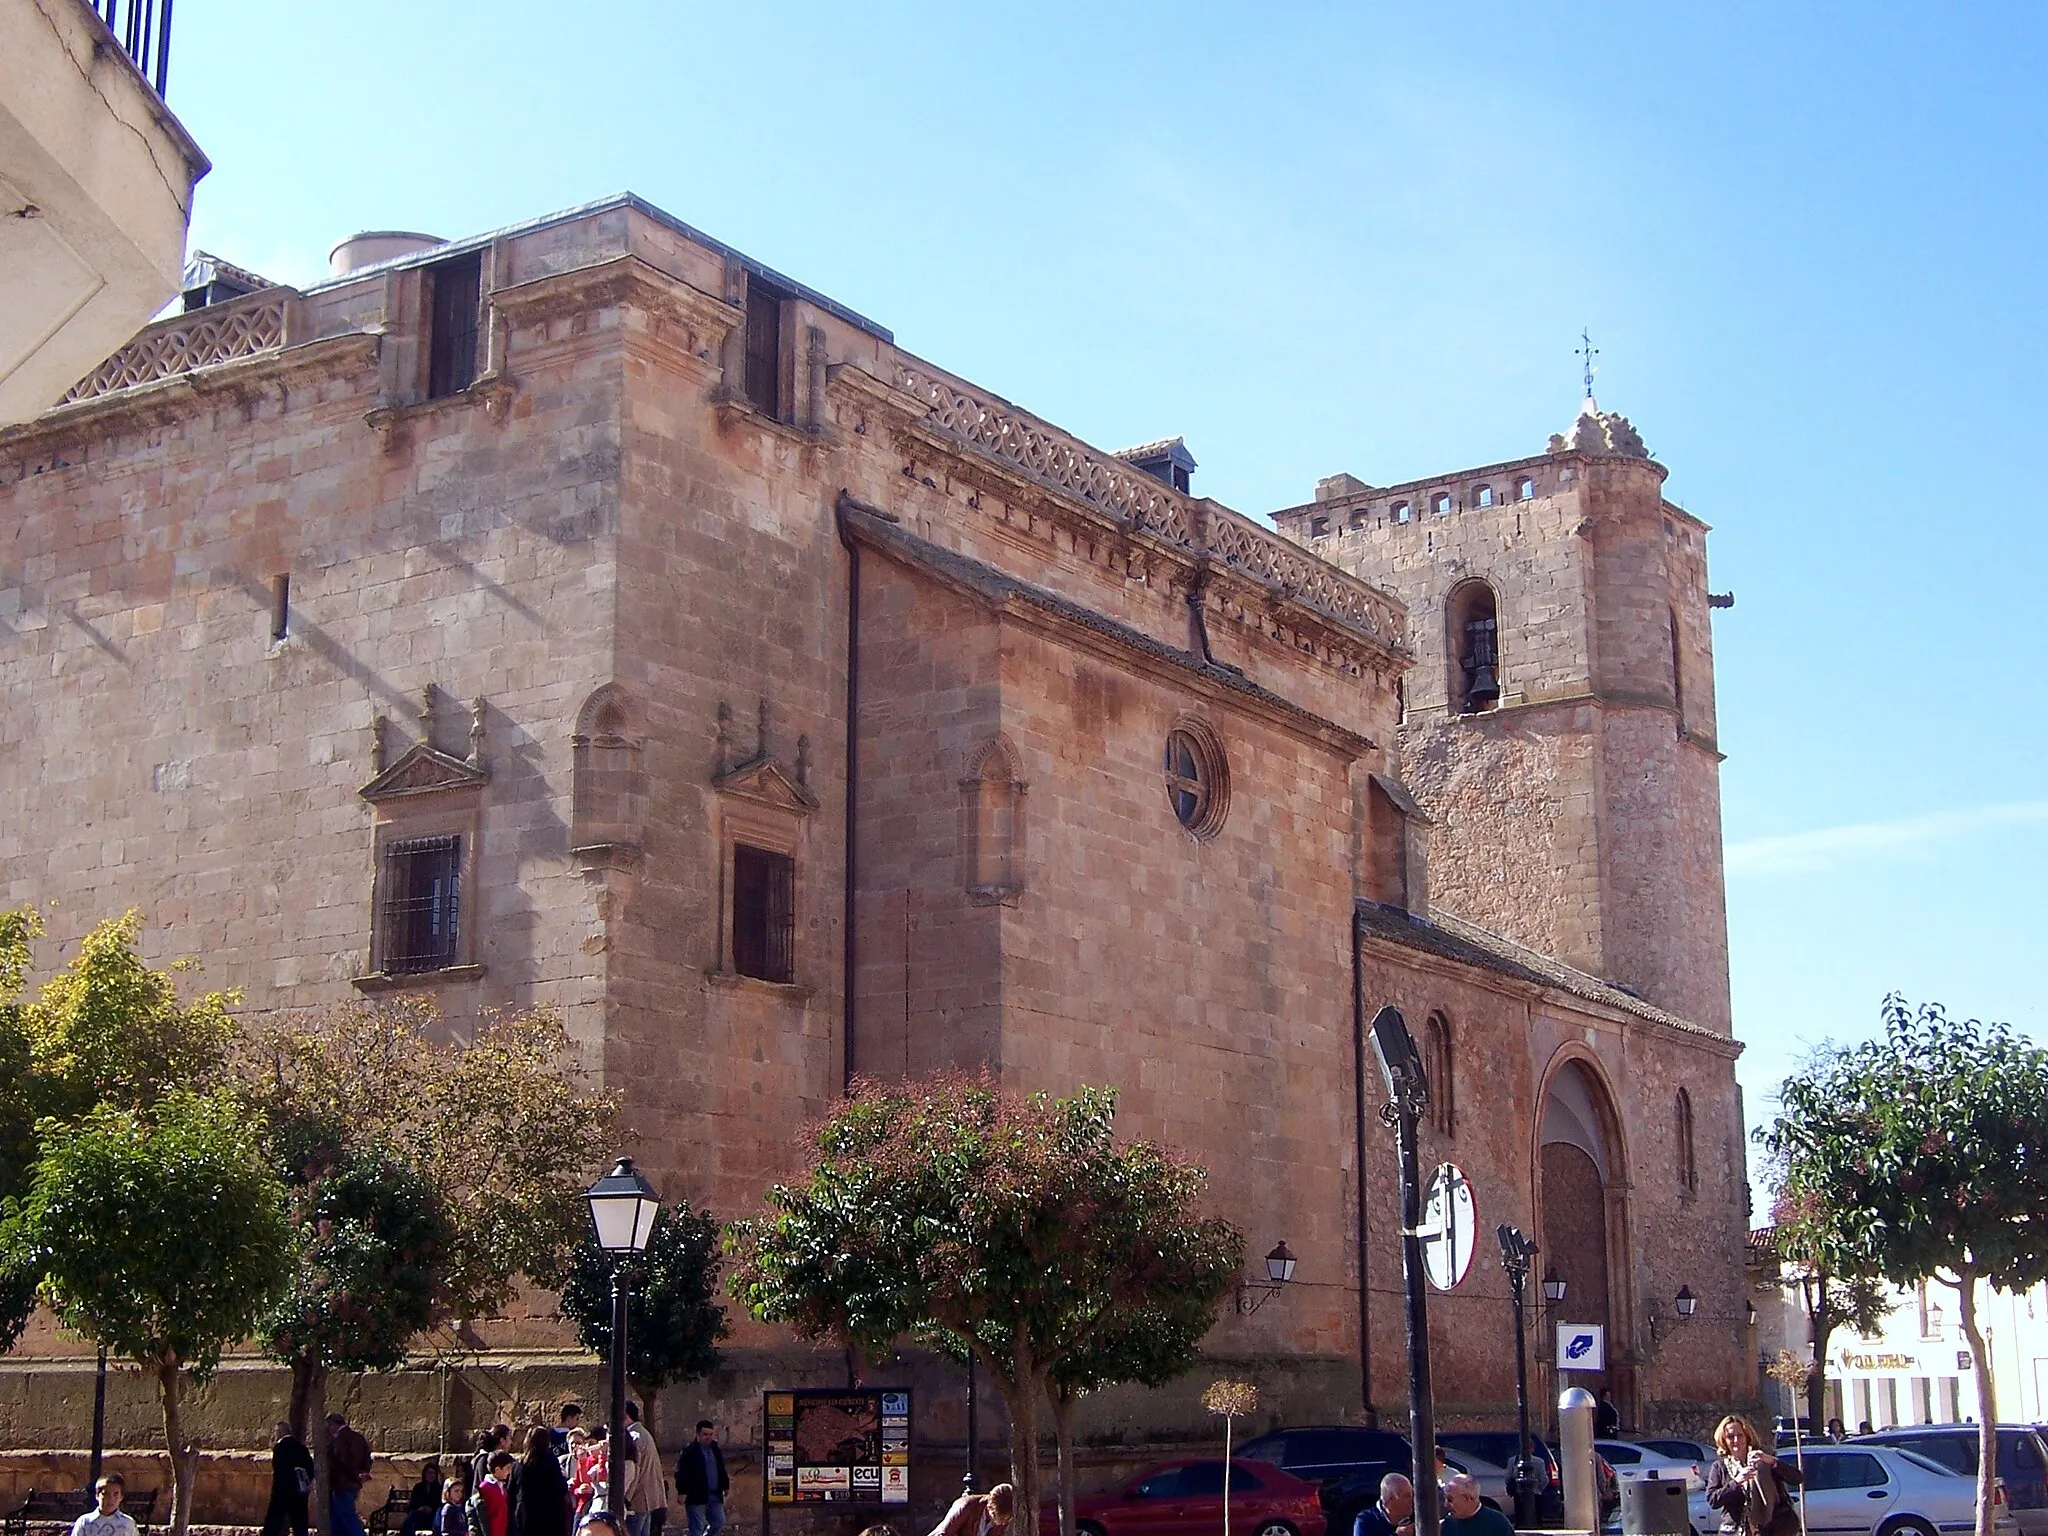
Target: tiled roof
{"x": 1453, "y": 938}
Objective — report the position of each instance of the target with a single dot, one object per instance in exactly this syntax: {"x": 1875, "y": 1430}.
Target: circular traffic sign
{"x": 1449, "y": 1227}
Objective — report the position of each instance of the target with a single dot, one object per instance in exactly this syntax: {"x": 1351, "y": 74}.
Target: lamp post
{"x": 1515, "y": 1252}
{"x": 1408, "y": 1096}
{"x": 970, "y": 1481}
{"x": 1553, "y": 1298}
{"x": 623, "y": 1206}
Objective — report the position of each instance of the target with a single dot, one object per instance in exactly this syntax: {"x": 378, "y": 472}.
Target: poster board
{"x": 1582, "y": 1346}
{"x": 836, "y": 1445}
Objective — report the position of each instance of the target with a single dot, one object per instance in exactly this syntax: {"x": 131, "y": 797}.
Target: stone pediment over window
{"x": 423, "y": 770}
{"x": 764, "y": 782}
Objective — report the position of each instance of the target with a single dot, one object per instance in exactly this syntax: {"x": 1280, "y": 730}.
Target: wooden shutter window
{"x": 764, "y": 348}
{"x": 452, "y": 331}
{"x": 763, "y": 914}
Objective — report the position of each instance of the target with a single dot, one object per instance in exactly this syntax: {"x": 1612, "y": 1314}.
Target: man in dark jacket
{"x": 348, "y": 1468}
{"x": 291, "y": 1479}
{"x": 702, "y": 1483}
{"x": 1393, "y": 1515}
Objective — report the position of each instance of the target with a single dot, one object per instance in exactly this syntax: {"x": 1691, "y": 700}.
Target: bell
{"x": 1485, "y": 687}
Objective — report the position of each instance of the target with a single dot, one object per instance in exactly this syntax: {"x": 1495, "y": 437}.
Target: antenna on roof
{"x": 1588, "y": 351}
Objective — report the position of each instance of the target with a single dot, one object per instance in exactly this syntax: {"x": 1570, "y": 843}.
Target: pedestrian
{"x": 423, "y": 1504}
{"x": 451, "y": 1519}
{"x": 1836, "y": 1431}
{"x": 1393, "y": 1515}
{"x": 1863, "y": 1427}
{"x": 974, "y": 1514}
{"x": 1465, "y": 1515}
{"x": 540, "y": 1494}
{"x": 590, "y": 1457}
{"x": 701, "y": 1480}
{"x": 493, "y": 1440}
{"x": 1606, "y": 1417}
{"x": 291, "y": 1480}
{"x": 1748, "y": 1484}
{"x": 348, "y": 1468}
{"x": 489, "y": 1509}
{"x": 646, "y": 1481}
{"x": 567, "y": 1423}
{"x": 106, "y": 1518}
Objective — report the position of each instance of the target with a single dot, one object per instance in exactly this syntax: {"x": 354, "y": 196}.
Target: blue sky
{"x": 1807, "y": 241}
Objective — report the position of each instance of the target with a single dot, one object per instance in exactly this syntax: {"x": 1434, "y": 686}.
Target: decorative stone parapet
{"x": 1000, "y": 430}
{"x": 203, "y": 338}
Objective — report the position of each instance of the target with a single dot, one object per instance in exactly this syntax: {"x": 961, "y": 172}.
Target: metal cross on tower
{"x": 1585, "y": 349}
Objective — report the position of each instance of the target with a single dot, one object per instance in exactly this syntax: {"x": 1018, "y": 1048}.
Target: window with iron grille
{"x": 457, "y": 294}
{"x": 764, "y": 347}
{"x": 422, "y": 904}
{"x": 763, "y": 914}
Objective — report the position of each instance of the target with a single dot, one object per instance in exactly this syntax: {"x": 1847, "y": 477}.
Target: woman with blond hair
{"x": 1748, "y": 1484}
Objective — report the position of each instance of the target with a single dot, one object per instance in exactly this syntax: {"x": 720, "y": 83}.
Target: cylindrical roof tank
{"x": 375, "y": 245}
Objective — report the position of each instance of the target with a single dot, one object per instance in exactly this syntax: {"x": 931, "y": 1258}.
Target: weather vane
{"x": 1588, "y": 351}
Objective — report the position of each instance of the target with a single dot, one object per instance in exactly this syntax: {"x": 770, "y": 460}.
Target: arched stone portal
{"x": 1580, "y": 1163}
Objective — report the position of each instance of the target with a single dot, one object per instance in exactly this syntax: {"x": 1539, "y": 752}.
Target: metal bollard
{"x": 1575, "y": 1455}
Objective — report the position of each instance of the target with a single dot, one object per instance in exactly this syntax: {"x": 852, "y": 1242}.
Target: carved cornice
{"x": 624, "y": 280}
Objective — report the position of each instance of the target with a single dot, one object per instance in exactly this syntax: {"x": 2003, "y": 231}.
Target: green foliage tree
{"x": 501, "y": 1126}
{"x": 677, "y": 1321}
{"x": 109, "y": 1029}
{"x": 1014, "y": 1228}
{"x": 1830, "y": 1301}
{"x": 106, "y": 1029}
{"x": 1921, "y": 1156}
{"x": 163, "y": 1237}
{"x": 428, "y": 1174}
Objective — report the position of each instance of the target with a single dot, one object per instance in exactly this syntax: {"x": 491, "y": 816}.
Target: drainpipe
{"x": 1372, "y": 1412}
{"x": 852, "y": 772}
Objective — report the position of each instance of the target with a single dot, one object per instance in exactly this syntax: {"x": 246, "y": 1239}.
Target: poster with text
{"x": 831, "y": 1446}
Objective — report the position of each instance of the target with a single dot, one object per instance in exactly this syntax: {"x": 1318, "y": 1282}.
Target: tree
{"x": 370, "y": 1239}
{"x": 1015, "y": 1228}
{"x": 1831, "y": 1301}
{"x": 427, "y": 1173}
{"x": 108, "y": 1029}
{"x": 500, "y": 1125}
{"x": 677, "y": 1321}
{"x": 163, "y": 1238}
{"x": 1920, "y": 1156}
{"x": 105, "y": 1029}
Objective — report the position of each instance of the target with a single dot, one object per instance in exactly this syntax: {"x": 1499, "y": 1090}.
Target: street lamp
{"x": 1251, "y": 1295}
{"x": 623, "y": 1206}
{"x": 1408, "y": 1096}
{"x": 1516, "y": 1250}
{"x": 1687, "y": 1303}
{"x": 1553, "y": 1298}
{"x": 1553, "y": 1286}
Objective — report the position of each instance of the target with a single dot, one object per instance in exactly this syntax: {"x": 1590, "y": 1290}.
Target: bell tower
{"x": 1558, "y": 723}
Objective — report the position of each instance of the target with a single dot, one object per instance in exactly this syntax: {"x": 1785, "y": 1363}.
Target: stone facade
{"x": 656, "y": 602}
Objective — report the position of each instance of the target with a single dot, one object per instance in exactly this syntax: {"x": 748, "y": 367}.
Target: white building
{"x": 1916, "y": 1369}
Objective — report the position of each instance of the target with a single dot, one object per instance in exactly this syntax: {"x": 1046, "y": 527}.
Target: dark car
{"x": 2022, "y": 1462}
{"x": 1324, "y": 1453}
{"x": 1185, "y": 1498}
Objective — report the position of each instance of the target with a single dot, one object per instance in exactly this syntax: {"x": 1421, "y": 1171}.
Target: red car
{"x": 1185, "y": 1498}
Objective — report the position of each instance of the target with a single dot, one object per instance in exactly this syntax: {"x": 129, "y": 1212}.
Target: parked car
{"x": 2022, "y": 1462}
{"x": 1489, "y": 1455}
{"x": 1868, "y": 1489}
{"x": 1322, "y": 1453}
{"x": 1683, "y": 1450}
{"x": 1185, "y": 1498}
{"x": 1629, "y": 1458}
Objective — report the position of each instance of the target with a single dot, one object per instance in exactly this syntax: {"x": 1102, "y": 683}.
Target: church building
{"x": 585, "y": 614}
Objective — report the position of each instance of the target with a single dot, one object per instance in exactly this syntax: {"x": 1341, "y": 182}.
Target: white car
{"x": 1877, "y": 1490}
{"x": 1631, "y": 1460}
